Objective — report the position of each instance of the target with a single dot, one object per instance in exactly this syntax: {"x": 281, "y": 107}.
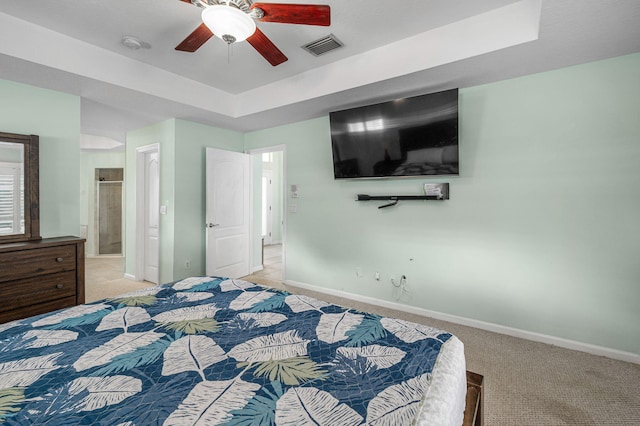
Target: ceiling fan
{"x": 234, "y": 21}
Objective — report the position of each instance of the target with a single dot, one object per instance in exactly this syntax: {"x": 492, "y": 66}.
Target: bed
{"x": 209, "y": 350}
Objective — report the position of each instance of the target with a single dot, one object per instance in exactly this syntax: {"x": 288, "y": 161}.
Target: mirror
{"x": 19, "y": 188}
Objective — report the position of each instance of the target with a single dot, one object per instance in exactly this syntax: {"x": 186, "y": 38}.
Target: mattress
{"x": 210, "y": 350}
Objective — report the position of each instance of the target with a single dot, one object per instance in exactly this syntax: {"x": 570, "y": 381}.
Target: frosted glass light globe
{"x": 228, "y": 23}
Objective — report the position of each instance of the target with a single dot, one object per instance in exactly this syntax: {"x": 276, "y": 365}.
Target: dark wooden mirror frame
{"x": 31, "y": 187}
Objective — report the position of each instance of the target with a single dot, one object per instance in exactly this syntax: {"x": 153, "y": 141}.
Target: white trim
{"x": 140, "y": 203}
{"x": 256, "y": 269}
{"x": 268, "y": 174}
{"x": 470, "y": 322}
{"x": 275, "y": 148}
{"x": 251, "y": 208}
{"x": 130, "y": 277}
{"x": 272, "y": 148}
{"x": 284, "y": 211}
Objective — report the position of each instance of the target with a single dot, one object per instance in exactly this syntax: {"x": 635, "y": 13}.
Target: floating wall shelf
{"x": 433, "y": 191}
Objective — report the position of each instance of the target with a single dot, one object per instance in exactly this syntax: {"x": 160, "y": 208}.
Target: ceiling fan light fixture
{"x": 228, "y": 23}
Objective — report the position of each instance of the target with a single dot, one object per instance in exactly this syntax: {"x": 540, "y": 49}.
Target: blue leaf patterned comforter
{"x": 214, "y": 351}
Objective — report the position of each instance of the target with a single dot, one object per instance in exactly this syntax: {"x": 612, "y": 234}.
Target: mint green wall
{"x": 541, "y": 232}
{"x": 191, "y": 141}
{"x": 182, "y": 190}
{"x": 163, "y": 134}
{"x": 55, "y": 118}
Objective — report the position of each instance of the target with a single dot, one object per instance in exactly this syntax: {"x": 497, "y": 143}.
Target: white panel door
{"x": 152, "y": 218}
{"x": 228, "y": 213}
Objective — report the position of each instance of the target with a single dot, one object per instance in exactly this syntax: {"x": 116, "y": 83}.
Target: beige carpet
{"x": 526, "y": 383}
{"x": 104, "y": 278}
{"x": 271, "y": 263}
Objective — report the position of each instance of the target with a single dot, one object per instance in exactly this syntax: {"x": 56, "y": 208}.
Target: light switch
{"x": 293, "y": 208}
{"x": 163, "y": 209}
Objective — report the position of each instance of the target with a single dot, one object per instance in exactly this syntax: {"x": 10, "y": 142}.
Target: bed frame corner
{"x": 474, "y": 411}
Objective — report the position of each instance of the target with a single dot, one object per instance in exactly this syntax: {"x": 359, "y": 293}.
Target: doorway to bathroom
{"x": 109, "y": 210}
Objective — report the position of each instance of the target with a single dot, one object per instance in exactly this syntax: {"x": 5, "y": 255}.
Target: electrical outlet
{"x": 187, "y": 264}
{"x": 359, "y": 272}
{"x": 377, "y": 276}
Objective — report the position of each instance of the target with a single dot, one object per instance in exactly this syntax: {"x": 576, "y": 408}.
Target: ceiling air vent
{"x": 323, "y": 45}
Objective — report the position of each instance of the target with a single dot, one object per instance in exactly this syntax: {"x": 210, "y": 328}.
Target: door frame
{"x": 141, "y": 153}
{"x": 268, "y": 173}
{"x": 96, "y": 220}
{"x": 274, "y": 148}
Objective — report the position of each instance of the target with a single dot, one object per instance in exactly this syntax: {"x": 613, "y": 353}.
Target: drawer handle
{"x": 59, "y": 259}
{"x": 59, "y": 286}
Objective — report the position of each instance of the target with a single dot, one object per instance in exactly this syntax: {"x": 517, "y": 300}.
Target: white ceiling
{"x": 392, "y": 49}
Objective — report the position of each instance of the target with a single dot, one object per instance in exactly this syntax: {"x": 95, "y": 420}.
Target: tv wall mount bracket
{"x": 433, "y": 191}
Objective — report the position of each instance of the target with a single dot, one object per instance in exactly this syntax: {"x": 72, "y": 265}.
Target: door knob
{"x": 212, "y": 225}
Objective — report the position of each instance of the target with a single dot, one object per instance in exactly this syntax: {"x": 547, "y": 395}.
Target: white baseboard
{"x": 130, "y": 277}
{"x": 256, "y": 268}
{"x": 483, "y": 325}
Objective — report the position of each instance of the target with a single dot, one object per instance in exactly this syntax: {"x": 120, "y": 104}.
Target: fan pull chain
{"x": 229, "y": 39}
{"x": 229, "y": 52}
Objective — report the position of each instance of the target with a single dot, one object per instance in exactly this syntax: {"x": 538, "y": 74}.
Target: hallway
{"x": 271, "y": 274}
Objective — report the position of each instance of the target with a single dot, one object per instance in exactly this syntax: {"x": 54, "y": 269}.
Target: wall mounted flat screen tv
{"x": 416, "y": 136}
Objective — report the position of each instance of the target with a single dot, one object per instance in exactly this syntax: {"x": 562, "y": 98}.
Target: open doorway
{"x": 269, "y": 213}
{"x": 109, "y": 210}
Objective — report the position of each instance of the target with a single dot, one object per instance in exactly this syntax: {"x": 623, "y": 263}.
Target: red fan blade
{"x": 266, "y": 48}
{"x": 187, "y": 1}
{"x": 196, "y": 39}
{"x": 306, "y": 14}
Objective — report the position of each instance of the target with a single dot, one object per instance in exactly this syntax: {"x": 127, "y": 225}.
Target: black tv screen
{"x": 415, "y": 136}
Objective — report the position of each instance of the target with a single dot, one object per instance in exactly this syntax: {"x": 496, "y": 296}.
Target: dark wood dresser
{"x": 40, "y": 276}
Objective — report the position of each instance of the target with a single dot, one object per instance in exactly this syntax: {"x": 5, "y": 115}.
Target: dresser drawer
{"x": 37, "y": 309}
{"x": 27, "y": 263}
{"x": 28, "y": 291}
